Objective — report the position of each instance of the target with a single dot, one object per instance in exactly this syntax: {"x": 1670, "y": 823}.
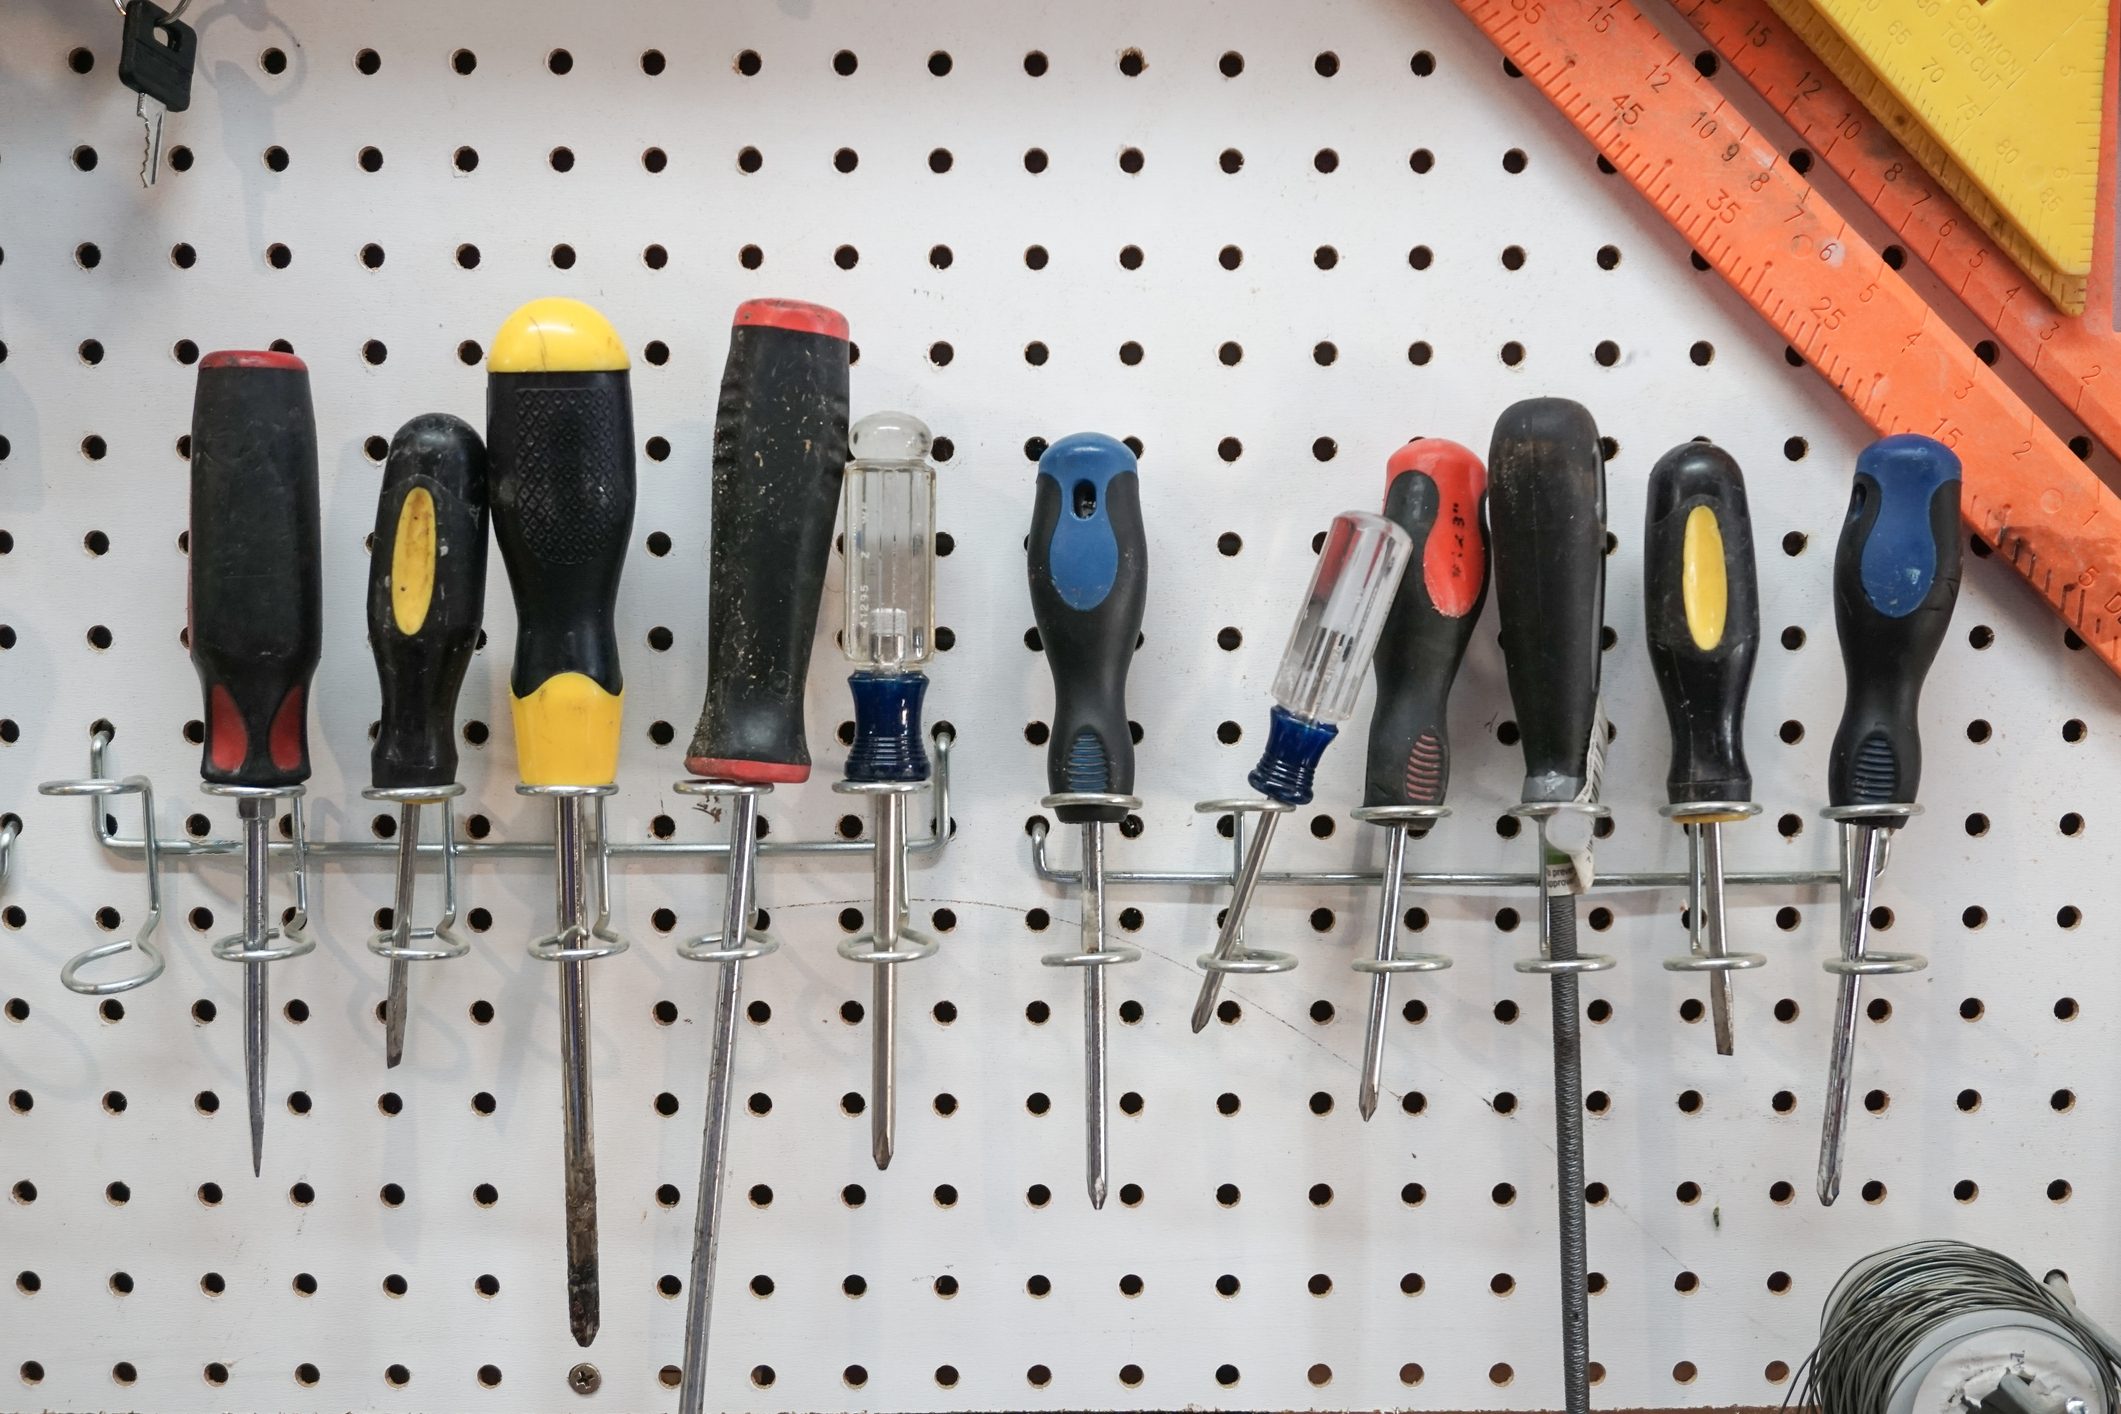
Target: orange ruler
{"x": 1728, "y": 189}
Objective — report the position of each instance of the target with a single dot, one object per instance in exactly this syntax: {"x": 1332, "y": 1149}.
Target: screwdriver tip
{"x": 1367, "y": 1104}
{"x": 1097, "y": 1194}
{"x": 583, "y": 1316}
{"x": 881, "y": 1152}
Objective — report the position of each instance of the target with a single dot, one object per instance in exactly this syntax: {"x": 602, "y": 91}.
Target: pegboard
{"x": 1269, "y": 241}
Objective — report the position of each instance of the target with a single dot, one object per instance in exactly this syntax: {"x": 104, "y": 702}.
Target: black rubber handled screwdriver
{"x": 256, "y": 630}
{"x": 1896, "y": 580}
{"x": 559, "y": 435}
{"x": 780, "y": 452}
{"x": 1435, "y": 491}
{"x": 426, "y": 600}
{"x": 1546, "y": 507}
{"x": 1088, "y": 559}
{"x": 1701, "y": 601}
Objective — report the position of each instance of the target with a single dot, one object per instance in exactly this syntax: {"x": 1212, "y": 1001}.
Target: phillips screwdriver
{"x": 256, "y": 627}
{"x": 1896, "y": 578}
{"x": 559, "y": 436}
{"x": 1330, "y": 648}
{"x": 426, "y": 598}
{"x": 1546, "y": 507}
{"x": 888, "y": 633}
{"x": 1088, "y": 561}
{"x": 780, "y": 452}
{"x": 1433, "y": 491}
{"x": 1701, "y": 601}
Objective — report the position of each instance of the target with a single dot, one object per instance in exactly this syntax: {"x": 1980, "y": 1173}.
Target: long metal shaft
{"x": 1097, "y": 1119}
{"x": 257, "y": 899}
{"x": 1227, "y": 941}
{"x": 1859, "y": 865}
{"x": 579, "y": 1153}
{"x": 401, "y": 928}
{"x": 1558, "y": 919}
{"x": 1373, "y": 1034}
{"x": 890, "y": 909}
{"x": 707, "y": 1213}
{"x": 1709, "y": 918}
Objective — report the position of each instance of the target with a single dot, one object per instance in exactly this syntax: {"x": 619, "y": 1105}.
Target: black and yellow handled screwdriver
{"x": 1701, "y": 601}
{"x": 559, "y": 437}
{"x": 1896, "y": 580}
{"x": 780, "y": 451}
{"x": 426, "y": 599}
{"x": 1435, "y": 491}
{"x": 1546, "y": 508}
{"x": 1088, "y": 560}
{"x": 256, "y": 628}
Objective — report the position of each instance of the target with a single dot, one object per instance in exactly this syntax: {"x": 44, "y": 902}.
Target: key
{"x": 155, "y": 61}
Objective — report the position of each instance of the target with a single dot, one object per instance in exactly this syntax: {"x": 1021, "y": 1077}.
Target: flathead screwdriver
{"x": 1546, "y": 509}
{"x": 426, "y": 599}
{"x": 559, "y": 435}
{"x": 1436, "y": 492}
{"x": 256, "y": 630}
{"x": 1896, "y": 580}
{"x": 1088, "y": 559}
{"x": 1701, "y": 600}
{"x": 780, "y": 453}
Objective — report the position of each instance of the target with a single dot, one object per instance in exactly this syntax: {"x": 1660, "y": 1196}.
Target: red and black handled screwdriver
{"x": 1701, "y": 600}
{"x": 426, "y": 600}
{"x": 256, "y": 628}
{"x": 780, "y": 451}
{"x": 559, "y": 436}
{"x": 1436, "y": 492}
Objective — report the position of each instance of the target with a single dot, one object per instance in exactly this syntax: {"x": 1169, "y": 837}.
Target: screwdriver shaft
{"x": 257, "y": 884}
{"x": 401, "y": 930}
{"x": 1373, "y": 1035}
{"x": 1859, "y": 872}
{"x": 1230, "y": 938}
{"x": 890, "y": 911}
{"x": 1709, "y": 919}
{"x": 707, "y": 1213}
{"x": 1558, "y": 915}
{"x": 579, "y": 1153}
{"x": 1096, "y": 1119}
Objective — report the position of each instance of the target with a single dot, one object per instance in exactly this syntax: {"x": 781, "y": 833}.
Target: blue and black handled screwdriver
{"x": 1089, "y": 566}
{"x": 1896, "y": 579}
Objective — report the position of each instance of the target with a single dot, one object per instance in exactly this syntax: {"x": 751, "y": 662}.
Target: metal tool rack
{"x": 1269, "y": 241}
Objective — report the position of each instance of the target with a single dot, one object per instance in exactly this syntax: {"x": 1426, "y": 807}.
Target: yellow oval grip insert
{"x": 412, "y": 561}
{"x": 1702, "y": 588}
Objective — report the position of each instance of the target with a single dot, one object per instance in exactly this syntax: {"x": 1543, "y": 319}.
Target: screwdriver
{"x": 1433, "y": 491}
{"x": 1896, "y": 578}
{"x": 889, "y": 632}
{"x": 1088, "y": 561}
{"x": 1359, "y": 568}
{"x": 256, "y": 628}
{"x": 780, "y": 451}
{"x": 426, "y": 598}
{"x": 559, "y": 435}
{"x": 1701, "y": 600}
{"x": 1546, "y": 507}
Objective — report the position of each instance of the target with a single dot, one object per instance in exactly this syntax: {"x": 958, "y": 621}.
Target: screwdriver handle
{"x": 1896, "y": 578}
{"x": 1701, "y": 601}
{"x": 426, "y": 595}
{"x": 1089, "y": 568}
{"x": 559, "y": 439}
{"x": 1434, "y": 491}
{"x": 1546, "y": 515}
{"x": 256, "y": 593}
{"x": 780, "y": 450}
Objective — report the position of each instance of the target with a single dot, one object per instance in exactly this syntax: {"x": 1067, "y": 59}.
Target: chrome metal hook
{"x": 152, "y": 961}
{"x": 397, "y": 942}
{"x": 715, "y": 947}
{"x": 573, "y": 848}
{"x": 294, "y": 932}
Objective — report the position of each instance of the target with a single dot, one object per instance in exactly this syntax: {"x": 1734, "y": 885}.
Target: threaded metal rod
{"x": 1558, "y": 908}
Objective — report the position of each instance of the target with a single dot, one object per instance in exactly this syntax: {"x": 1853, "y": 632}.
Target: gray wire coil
{"x": 1881, "y": 1313}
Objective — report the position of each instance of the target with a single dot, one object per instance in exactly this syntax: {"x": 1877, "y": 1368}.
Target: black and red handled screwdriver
{"x": 1701, "y": 601}
{"x": 1435, "y": 491}
{"x": 559, "y": 437}
{"x": 426, "y": 600}
{"x": 256, "y": 629}
{"x": 780, "y": 451}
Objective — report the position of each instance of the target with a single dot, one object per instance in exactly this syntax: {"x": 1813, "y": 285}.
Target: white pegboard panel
{"x": 1409, "y": 241}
